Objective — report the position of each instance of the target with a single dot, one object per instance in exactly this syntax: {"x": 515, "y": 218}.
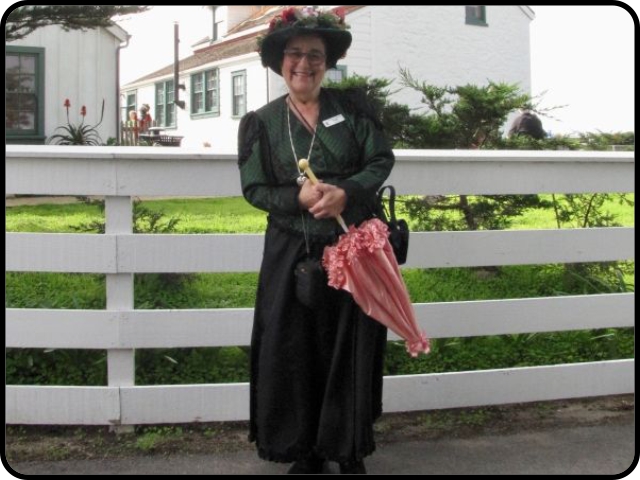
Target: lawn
{"x": 196, "y": 215}
{"x": 218, "y": 215}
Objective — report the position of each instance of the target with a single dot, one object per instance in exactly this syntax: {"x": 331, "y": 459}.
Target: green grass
{"x": 50, "y": 218}
{"x": 203, "y": 290}
{"x": 465, "y": 284}
{"x": 545, "y": 219}
{"x": 212, "y": 215}
{"x": 218, "y": 215}
{"x": 55, "y": 290}
{"x": 199, "y": 215}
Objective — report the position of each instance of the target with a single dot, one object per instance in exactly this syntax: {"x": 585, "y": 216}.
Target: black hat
{"x": 306, "y": 21}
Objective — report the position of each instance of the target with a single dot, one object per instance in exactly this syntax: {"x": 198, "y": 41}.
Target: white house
{"x": 441, "y": 45}
{"x": 49, "y": 66}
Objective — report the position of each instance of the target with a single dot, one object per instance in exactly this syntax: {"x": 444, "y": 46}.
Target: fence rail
{"x": 121, "y": 173}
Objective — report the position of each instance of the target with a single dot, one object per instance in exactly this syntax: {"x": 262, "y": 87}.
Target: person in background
{"x": 144, "y": 120}
{"x": 316, "y": 372}
{"x": 527, "y": 123}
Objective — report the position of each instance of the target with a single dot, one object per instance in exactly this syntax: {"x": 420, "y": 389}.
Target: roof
{"x": 262, "y": 17}
{"x": 235, "y": 46}
{"x": 118, "y": 32}
{"x": 265, "y": 14}
{"x": 232, "y": 48}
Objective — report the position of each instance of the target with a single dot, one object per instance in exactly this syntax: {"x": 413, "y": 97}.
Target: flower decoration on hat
{"x": 307, "y": 17}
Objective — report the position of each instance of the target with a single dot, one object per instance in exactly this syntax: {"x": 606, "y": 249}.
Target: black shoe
{"x": 353, "y": 468}
{"x": 308, "y": 465}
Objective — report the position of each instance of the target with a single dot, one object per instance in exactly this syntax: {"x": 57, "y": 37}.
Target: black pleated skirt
{"x": 316, "y": 374}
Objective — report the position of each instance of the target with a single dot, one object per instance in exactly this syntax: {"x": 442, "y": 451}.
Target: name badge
{"x": 329, "y": 122}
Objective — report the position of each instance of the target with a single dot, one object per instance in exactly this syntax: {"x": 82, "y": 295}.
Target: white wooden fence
{"x": 120, "y": 173}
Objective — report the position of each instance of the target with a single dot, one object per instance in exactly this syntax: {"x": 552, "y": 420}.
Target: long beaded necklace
{"x": 301, "y": 176}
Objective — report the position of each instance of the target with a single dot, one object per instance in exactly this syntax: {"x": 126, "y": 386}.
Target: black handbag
{"x": 310, "y": 278}
{"x": 398, "y": 228}
{"x": 310, "y": 282}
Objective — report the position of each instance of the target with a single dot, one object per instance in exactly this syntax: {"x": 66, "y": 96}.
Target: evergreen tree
{"x": 463, "y": 117}
{"x": 24, "y": 20}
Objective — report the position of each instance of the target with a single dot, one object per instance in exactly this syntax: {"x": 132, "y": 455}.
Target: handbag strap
{"x": 392, "y": 200}
{"x": 306, "y": 235}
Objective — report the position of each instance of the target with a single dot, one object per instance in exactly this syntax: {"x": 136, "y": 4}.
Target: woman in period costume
{"x": 316, "y": 371}
{"x": 145, "y": 119}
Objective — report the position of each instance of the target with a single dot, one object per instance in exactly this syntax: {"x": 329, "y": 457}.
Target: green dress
{"x": 316, "y": 374}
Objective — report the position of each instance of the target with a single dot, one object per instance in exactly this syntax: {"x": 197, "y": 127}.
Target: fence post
{"x": 120, "y": 362}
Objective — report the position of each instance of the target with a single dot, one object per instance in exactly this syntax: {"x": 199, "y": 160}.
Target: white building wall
{"x": 80, "y": 66}
{"x": 436, "y": 45}
{"x": 360, "y": 56}
{"x": 218, "y": 132}
{"x": 277, "y": 87}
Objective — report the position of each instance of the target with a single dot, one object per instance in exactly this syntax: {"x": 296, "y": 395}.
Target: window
{"x": 131, "y": 99}
{"x": 24, "y": 93}
{"x": 336, "y": 74}
{"x": 239, "y": 88}
{"x": 165, "y": 108}
{"x": 476, "y": 15}
{"x": 217, "y": 24}
{"x": 205, "y": 93}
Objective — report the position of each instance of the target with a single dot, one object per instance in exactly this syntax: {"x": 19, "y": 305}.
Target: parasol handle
{"x": 303, "y": 164}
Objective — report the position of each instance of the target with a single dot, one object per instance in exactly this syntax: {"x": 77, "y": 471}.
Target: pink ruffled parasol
{"x": 363, "y": 263}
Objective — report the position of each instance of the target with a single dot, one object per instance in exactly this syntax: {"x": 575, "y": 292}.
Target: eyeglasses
{"x": 313, "y": 57}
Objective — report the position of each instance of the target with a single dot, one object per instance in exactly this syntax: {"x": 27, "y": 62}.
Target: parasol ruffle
{"x": 371, "y": 235}
{"x": 419, "y": 346}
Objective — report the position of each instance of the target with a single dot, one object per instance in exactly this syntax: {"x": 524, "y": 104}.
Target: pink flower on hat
{"x": 309, "y": 12}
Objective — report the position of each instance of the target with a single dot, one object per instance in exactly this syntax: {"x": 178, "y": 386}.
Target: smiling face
{"x": 304, "y": 66}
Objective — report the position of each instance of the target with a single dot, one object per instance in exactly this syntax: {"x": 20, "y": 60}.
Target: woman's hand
{"x": 308, "y": 195}
{"x": 332, "y": 202}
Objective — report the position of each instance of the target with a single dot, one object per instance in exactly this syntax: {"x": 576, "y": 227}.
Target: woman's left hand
{"x": 331, "y": 204}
